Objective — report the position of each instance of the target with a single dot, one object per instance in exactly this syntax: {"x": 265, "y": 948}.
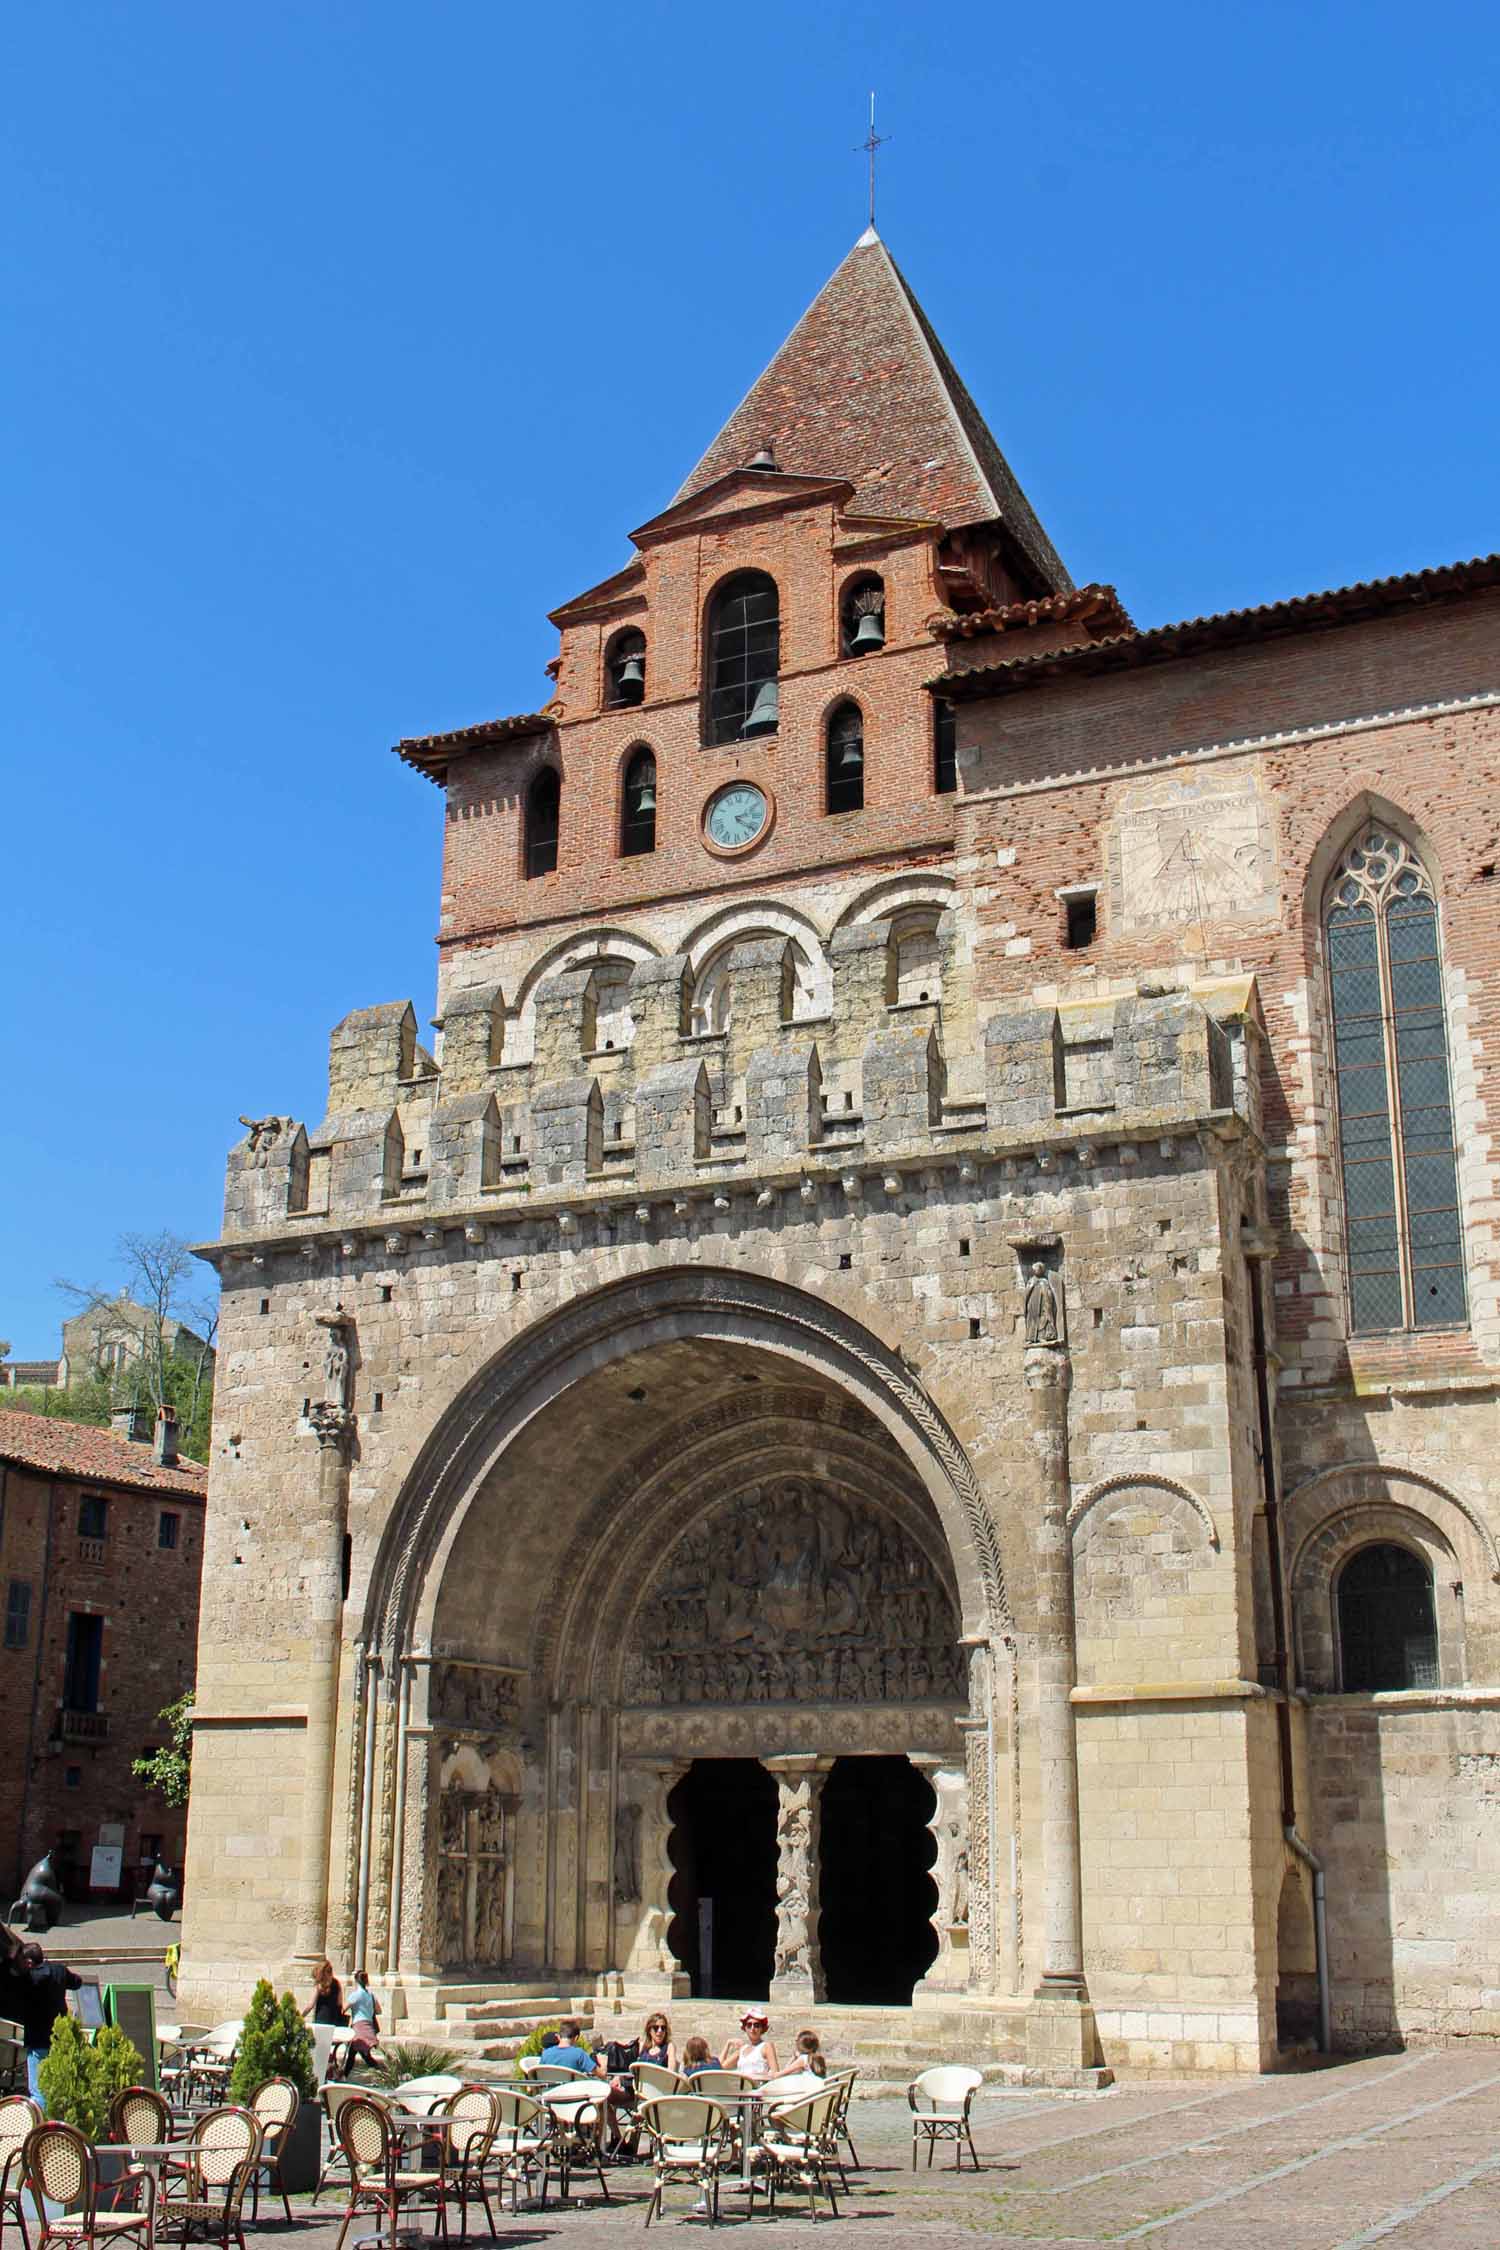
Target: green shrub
{"x": 274, "y": 2043}
{"x": 80, "y": 2077}
{"x": 533, "y": 2045}
{"x": 415, "y": 2060}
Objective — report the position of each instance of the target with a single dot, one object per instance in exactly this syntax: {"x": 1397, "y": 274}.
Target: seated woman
{"x": 696, "y": 2056}
{"x": 754, "y": 2056}
{"x": 653, "y": 2046}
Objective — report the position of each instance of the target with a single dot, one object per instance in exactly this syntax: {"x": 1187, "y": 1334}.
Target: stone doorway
{"x": 877, "y": 1892}
{"x": 723, "y": 1850}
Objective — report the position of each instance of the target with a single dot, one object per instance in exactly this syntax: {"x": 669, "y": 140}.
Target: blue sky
{"x": 345, "y": 341}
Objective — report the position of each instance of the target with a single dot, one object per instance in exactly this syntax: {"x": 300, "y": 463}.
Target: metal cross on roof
{"x": 869, "y": 144}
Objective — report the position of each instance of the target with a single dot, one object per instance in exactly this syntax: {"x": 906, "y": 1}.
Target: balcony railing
{"x": 83, "y": 1726}
{"x": 91, "y": 1550}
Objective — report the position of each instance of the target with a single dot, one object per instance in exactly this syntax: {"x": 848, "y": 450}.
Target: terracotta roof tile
{"x": 1305, "y": 613}
{"x": 863, "y": 390}
{"x": 1099, "y": 607}
{"x": 75, "y": 1449}
{"x": 430, "y": 753}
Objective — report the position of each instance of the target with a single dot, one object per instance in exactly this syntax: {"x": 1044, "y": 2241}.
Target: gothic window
{"x": 625, "y": 669}
{"x": 1387, "y": 1629}
{"x": 1395, "y": 1098}
{"x": 638, "y": 806}
{"x": 543, "y": 812}
{"x": 944, "y": 748}
{"x": 744, "y": 658}
{"x": 863, "y": 619}
{"x": 844, "y": 761}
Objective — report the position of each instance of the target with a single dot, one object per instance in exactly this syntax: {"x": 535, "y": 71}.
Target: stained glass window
{"x": 1403, "y": 1241}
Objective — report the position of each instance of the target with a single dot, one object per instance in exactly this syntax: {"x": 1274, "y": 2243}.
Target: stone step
{"x": 443, "y": 1993}
{"x": 524, "y": 2012}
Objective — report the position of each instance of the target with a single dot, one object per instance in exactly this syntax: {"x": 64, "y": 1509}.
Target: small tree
{"x": 274, "y": 2043}
{"x": 170, "y": 1768}
{"x": 533, "y": 2044}
{"x": 79, "y": 2078}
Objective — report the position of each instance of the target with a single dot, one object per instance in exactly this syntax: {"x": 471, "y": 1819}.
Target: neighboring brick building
{"x": 101, "y": 1548}
{"x": 918, "y": 1367}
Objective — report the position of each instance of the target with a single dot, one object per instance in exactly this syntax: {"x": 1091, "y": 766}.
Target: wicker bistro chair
{"x": 205, "y": 2198}
{"x": 274, "y": 2107}
{"x": 690, "y": 2142}
{"x": 19, "y": 2118}
{"x": 12, "y": 2057}
{"x": 474, "y": 2123}
{"x": 575, "y": 2143}
{"x": 377, "y": 2182}
{"x": 939, "y": 2100}
{"x": 655, "y": 2078}
{"x": 59, "y": 2167}
{"x": 333, "y": 2097}
{"x": 522, "y": 2127}
{"x": 800, "y": 2147}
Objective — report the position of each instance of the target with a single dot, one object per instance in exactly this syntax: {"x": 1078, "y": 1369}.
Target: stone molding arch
{"x": 895, "y": 894}
{"x": 1186, "y": 1502}
{"x": 1349, "y": 1485}
{"x": 534, "y": 1368}
{"x": 1314, "y": 1586}
{"x": 580, "y": 951}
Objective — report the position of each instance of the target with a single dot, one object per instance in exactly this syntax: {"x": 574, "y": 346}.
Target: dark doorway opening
{"x": 876, "y": 1932}
{"x": 723, "y": 1846}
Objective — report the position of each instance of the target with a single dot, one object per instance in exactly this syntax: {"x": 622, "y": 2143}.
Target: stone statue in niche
{"x": 1042, "y": 1324}
{"x": 452, "y": 1875}
{"x": 958, "y": 1905}
{"x": 795, "y": 1593}
{"x": 627, "y": 1867}
{"x": 265, "y": 1133}
{"x": 336, "y": 1365}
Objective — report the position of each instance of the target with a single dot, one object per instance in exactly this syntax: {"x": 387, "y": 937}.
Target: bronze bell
{"x": 868, "y": 634}
{"x": 631, "y": 678}
{"x": 851, "y": 755}
{"x": 645, "y": 796}
{"x": 765, "y": 712}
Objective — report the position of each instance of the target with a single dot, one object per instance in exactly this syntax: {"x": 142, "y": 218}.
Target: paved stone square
{"x": 1396, "y": 2148}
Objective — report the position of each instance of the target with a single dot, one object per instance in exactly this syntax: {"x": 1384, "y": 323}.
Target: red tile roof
{"x": 74, "y": 1449}
{"x": 1307, "y": 613}
{"x": 430, "y": 753}
{"x": 863, "y": 390}
{"x": 1099, "y": 607}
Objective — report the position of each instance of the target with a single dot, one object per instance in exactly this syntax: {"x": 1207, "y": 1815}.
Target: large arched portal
{"x": 696, "y": 1539}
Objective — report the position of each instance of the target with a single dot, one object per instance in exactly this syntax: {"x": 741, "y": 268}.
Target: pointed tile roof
{"x": 863, "y": 390}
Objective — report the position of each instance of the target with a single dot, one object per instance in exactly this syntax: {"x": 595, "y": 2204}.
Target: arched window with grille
{"x": 1387, "y": 1625}
{"x": 844, "y": 760}
{"x": 744, "y": 658}
{"x": 638, "y": 806}
{"x": 1402, "y": 1230}
{"x": 543, "y": 815}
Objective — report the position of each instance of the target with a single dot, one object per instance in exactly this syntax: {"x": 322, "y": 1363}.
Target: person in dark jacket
{"x": 45, "y": 1999}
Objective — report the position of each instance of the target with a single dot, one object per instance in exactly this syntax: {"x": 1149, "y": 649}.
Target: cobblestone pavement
{"x": 1398, "y": 2149}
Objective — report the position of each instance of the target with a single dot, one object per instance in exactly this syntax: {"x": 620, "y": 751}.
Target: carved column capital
{"x": 332, "y": 1425}
{"x": 1049, "y": 1367}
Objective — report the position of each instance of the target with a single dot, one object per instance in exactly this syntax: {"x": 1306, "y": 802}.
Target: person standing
{"x": 45, "y": 1999}
{"x": 327, "y": 2002}
{"x": 364, "y": 2023}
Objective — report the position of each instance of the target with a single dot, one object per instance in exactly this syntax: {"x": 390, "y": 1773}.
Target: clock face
{"x": 736, "y": 816}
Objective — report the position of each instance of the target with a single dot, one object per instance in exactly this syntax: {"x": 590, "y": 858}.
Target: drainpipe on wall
{"x": 1258, "y": 1245}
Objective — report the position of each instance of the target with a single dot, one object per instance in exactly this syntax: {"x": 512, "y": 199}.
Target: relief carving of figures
{"x": 479, "y": 1700}
{"x": 627, "y": 1868}
{"x": 794, "y": 1593}
{"x": 796, "y": 1875}
{"x": 1042, "y": 1322}
{"x": 452, "y": 1875}
{"x": 958, "y": 1904}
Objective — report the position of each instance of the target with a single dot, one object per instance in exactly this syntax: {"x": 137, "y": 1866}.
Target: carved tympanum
{"x": 473, "y": 1701}
{"x": 793, "y": 1593}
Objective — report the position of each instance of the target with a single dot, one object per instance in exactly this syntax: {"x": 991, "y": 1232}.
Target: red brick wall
{"x": 484, "y": 890}
{"x": 148, "y": 1598}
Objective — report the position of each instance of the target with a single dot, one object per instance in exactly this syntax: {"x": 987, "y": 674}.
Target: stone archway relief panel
{"x": 1373, "y": 1483}
{"x": 474, "y": 1431}
{"x": 794, "y": 1591}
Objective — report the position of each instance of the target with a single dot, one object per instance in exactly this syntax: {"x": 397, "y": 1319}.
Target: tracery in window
{"x": 845, "y": 760}
{"x": 1402, "y": 1224}
{"x": 1387, "y": 1627}
{"x": 744, "y": 658}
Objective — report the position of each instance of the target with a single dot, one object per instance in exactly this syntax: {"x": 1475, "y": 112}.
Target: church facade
{"x": 899, "y": 1409}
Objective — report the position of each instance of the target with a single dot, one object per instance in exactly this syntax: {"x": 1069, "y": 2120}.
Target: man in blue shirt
{"x": 569, "y": 2054}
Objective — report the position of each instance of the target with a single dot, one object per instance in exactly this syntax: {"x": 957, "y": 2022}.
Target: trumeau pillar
{"x": 323, "y": 1577}
{"x": 640, "y": 1877}
{"x": 1060, "y": 2033}
{"x": 949, "y": 1829}
{"x": 797, "y": 1978}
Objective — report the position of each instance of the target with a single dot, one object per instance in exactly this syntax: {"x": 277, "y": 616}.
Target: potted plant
{"x": 80, "y": 2077}
{"x": 276, "y": 2043}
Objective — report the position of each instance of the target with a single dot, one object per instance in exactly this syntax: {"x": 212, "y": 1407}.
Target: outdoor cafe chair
{"x": 689, "y": 2140}
{"x": 723, "y": 2085}
{"x": 470, "y": 2141}
{"x": 372, "y": 2147}
{"x": 799, "y": 2145}
{"x": 12, "y": 2057}
{"x": 60, "y": 2169}
{"x": 205, "y": 2197}
{"x": 845, "y": 2084}
{"x": 655, "y": 2078}
{"x": 333, "y": 2097}
{"x": 19, "y": 2117}
{"x": 575, "y": 2142}
{"x": 522, "y": 2125}
{"x": 139, "y": 2116}
{"x": 939, "y": 2100}
{"x": 274, "y": 2107}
